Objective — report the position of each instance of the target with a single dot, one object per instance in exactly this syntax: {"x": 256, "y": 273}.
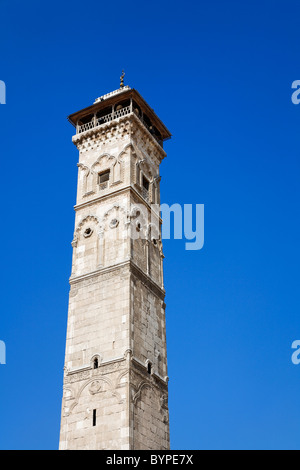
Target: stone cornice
{"x": 88, "y": 367}
{"x": 86, "y": 372}
{"x": 98, "y": 272}
{"x": 154, "y": 374}
{"x": 117, "y": 129}
{"x": 133, "y": 268}
{"x": 115, "y": 192}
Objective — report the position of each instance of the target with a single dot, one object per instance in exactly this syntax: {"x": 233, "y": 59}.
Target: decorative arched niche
{"x": 86, "y": 246}
{"x": 106, "y": 171}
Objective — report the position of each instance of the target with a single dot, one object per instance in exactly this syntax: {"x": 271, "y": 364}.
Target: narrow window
{"x": 103, "y": 177}
{"x": 96, "y": 363}
{"x": 149, "y": 367}
{"x": 145, "y": 183}
{"x": 94, "y": 417}
{"x": 145, "y": 188}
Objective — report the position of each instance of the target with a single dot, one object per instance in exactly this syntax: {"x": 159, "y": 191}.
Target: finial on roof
{"x": 122, "y": 79}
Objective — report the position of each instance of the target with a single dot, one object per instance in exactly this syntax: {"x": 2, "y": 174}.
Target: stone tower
{"x": 115, "y": 394}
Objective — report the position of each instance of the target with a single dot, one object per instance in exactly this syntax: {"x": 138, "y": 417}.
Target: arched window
{"x": 96, "y": 363}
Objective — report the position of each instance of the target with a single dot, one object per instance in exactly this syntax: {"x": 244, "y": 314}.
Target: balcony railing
{"x": 145, "y": 194}
{"x": 85, "y": 127}
{"x": 96, "y": 122}
{"x": 103, "y": 120}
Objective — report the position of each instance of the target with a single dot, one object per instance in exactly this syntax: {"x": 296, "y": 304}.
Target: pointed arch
{"x": 86, "y": 219}
{"x": 103, "y": 155}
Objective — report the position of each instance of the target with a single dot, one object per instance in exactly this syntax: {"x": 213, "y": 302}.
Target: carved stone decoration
{"x": 87, "y": 218}
{"x": 95, "y": 387}
{"x": 101, "y": 384}
{"x": 164, "y": 408}
{"x": 88, "y": 232}
{"x": 117, "y": 207}
{"x": 128, "y": 126}
{"x": 67, "y": 409}
{"x": 74, "y": 241}
{"x": 139, "y": 216}
{"x": 137, "y": 395}
{"x": 152, "y": 233}
{"x": 68, "y": 394}
{"x": 86, "y": 179}
{"x": 114, "y": 223}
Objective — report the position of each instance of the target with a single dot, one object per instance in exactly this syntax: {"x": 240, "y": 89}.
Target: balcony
{"x": 96, "y": 122}
{"x": 99, "y": 121}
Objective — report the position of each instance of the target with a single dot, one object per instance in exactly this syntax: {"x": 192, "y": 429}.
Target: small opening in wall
{"x": 104, "y": 177}
{"x": 114, "y": 223}
{"x": 145, "y": 183}
{"x": 94, "y": 417}
{"x": 149, "y": 367}
{"x": 96, "y": 363}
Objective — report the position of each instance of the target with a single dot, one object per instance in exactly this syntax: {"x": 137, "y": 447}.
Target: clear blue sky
{"x": 219, "y": 75}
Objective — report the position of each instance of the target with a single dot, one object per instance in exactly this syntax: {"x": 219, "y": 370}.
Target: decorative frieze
{"x": 112, "y": 132}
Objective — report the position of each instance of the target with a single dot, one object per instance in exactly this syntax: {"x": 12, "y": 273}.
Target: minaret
{"x": 115, "y": 394}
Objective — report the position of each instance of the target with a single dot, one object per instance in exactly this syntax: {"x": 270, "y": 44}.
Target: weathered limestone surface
{"x": 115, "y": 393}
